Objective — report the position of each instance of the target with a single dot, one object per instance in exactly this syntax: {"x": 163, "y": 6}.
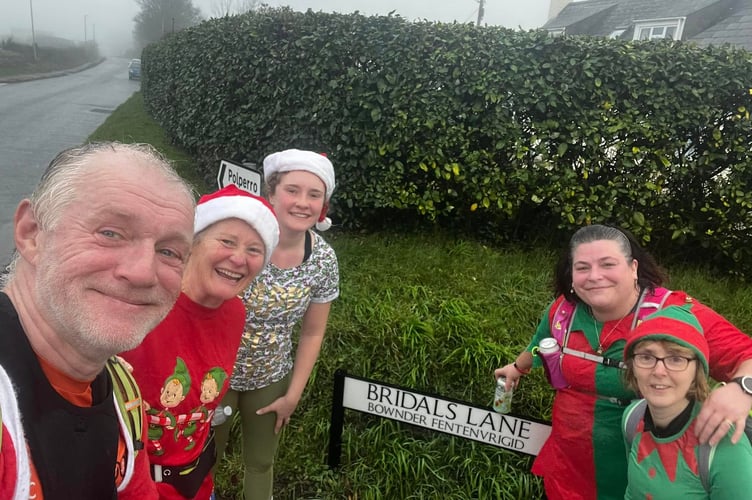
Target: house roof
{"x": 575, "y": 12}
{"x": 736, "y": 29}
{"x": 621, "y": 14}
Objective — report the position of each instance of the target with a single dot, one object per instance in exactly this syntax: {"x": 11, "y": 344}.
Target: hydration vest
{"x": 128, "y": 408}
{"x": 562, "y": 312}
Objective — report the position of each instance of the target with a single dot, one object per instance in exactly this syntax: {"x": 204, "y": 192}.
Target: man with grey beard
{"x": 101, "y": 246}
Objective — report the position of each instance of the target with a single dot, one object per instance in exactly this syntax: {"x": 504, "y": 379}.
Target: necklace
{"x": 602, "y": 339}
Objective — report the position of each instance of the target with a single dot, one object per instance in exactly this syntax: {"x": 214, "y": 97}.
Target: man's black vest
{"x": 74, "y": 449}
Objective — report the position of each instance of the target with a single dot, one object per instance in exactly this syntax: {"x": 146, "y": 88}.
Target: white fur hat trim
{"x": 230, "y": 202}
{"x": 296, "y": 159}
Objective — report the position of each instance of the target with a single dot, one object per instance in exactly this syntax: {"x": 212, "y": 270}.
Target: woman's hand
{"x": 283, "y": 407}
{"x": 509, "y": 372}
{"x": 726, "y": 407}
{"x": 513, "y": 371}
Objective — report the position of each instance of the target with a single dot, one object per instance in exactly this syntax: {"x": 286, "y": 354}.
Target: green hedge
{"x": 511, "y": 134}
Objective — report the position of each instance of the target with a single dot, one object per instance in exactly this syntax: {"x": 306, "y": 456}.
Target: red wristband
{"x": 524, "y": 372}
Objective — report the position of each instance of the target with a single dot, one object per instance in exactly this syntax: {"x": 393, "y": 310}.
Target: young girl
{"x": 297, "y": 287}
{"x": 667, "y": 364}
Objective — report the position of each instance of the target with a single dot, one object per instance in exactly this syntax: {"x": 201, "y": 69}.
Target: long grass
{"x": 434, "y": 313}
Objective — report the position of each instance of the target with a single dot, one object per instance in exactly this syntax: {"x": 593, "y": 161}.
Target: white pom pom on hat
{"x": 324, "y": 223}
{"x": 309, "y": 161}
{"x": 232, "y": 202}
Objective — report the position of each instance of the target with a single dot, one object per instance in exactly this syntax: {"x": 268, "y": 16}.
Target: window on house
{"x": 659, "y": 29}
{"x": 556, "y": 32}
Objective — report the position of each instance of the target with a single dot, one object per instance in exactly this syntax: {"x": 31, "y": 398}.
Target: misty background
{"x": 110, "y": 22}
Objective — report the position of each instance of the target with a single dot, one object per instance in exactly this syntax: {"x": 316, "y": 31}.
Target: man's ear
{"x": 26, "y": 231}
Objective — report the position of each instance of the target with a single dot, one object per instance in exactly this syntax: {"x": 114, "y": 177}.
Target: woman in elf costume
{"x": 183, "y": 365}
{"x": 604, "y": 283}
{"x": 667, "y": 364}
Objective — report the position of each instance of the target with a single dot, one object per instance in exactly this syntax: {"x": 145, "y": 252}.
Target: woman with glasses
{"x": 604, "y": 284}
{"x": 667, "y": 364}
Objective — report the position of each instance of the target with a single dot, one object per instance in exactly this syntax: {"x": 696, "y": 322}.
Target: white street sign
{"x": 243, "y": 177}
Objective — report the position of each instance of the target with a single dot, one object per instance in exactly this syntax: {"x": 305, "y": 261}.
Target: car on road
{"x": 134, "y": 69}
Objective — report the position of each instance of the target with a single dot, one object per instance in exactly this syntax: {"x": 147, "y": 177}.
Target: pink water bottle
{"x": 549, "y": 351}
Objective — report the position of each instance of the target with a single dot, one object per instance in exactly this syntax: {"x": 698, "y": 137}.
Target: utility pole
{"x": 85, "y": 36}
{"x": 480, "y": 11}
{"x": 33, "y": 37}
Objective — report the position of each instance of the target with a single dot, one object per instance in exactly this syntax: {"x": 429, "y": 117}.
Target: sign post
{"x": 243, "y": 176}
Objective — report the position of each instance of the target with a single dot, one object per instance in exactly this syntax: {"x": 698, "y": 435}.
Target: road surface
{"x": 40, "y": 118}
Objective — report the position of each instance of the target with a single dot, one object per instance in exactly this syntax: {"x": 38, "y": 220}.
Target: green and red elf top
{"x": 668, "y": 462}
{"x": 666, "y": 468}
{"x": 584, "y": 456}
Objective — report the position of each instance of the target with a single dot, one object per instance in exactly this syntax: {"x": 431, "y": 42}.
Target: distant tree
{"x": 222, "y": 8}
{"x": 160, "y": 17}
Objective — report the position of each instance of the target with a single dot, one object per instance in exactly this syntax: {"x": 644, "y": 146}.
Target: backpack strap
{"x": 561, "y": 319}
{"x": 636, "y": 413}
{"x": 704, "y": 458}
{"x": 648, "y": 303}
{"x": 128, "y": 404}
{"x": 705, "y": 454}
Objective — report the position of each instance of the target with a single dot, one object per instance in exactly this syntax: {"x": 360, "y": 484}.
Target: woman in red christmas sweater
{"x": 605, "y": 283}
{"x": 183, "y": 366}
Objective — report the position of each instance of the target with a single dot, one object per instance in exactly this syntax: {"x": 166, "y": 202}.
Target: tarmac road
{"x": 42, "y": 116}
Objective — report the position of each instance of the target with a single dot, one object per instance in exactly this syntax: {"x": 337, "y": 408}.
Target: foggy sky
{"x": 110, "y": 22}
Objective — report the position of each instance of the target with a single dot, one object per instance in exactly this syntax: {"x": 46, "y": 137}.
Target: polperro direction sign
{"x": 243, "y": 176}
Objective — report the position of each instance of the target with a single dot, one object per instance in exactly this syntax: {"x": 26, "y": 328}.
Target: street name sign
{"x": 430, "y": 411}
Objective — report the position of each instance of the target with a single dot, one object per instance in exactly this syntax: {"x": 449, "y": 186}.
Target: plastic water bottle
{"x": 221, "y": 414}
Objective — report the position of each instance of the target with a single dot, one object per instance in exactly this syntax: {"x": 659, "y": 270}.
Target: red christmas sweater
{"x": 183, "y": 368}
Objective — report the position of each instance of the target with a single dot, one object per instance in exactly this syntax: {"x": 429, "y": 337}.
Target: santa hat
{"x": 674, "y": 324}
{"x": 231, "y": 202}
{"x": 316, "y": 163}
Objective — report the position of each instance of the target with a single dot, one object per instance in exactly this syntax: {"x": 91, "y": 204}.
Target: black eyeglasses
{"x": 674, "y": 363}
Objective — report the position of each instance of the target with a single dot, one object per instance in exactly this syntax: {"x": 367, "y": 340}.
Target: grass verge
{"x": 130, "y": 123}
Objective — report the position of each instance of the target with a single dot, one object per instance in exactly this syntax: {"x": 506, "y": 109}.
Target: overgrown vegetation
{"x": 512, "y": 135}
{"x": 431, "y": 312}
{"x": 18, "y": 59}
